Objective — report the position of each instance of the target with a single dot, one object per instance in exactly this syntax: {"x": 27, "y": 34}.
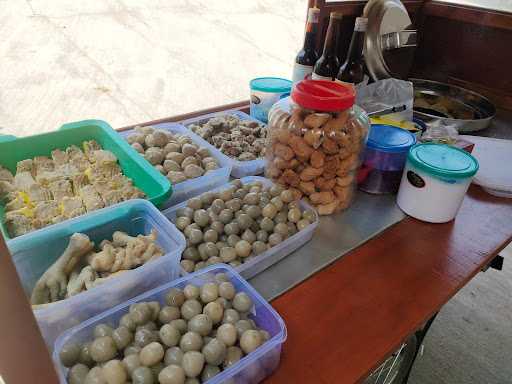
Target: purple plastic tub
{"x": 384, "y": 159}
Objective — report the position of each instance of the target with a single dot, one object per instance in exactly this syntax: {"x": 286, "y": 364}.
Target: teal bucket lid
{"x": 271, "y": 84}
{"x": 443, "y": 160}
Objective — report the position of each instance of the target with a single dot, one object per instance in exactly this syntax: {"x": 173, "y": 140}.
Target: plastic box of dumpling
{"x": 193, "y": 187}
{"x": 32, "y": 256}
{"x": 240, "y": 168}
{"x": 251, "y": 369}
{"x": 272, "y": 255}
{"x": 12, "y": 150}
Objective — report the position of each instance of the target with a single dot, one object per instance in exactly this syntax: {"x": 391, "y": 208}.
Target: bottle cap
{"x": 322, "y": 95}
{"x": 443, "y": 160}
{"x": 390, "y": 139}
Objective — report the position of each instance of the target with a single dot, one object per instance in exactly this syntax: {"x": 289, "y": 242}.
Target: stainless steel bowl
{"x": 481, "y": 108}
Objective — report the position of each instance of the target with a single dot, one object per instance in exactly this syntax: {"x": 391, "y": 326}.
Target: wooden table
{"x": 345, "y": 320}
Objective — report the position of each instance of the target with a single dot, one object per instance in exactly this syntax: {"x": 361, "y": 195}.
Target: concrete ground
{"x": 129, "y": 61}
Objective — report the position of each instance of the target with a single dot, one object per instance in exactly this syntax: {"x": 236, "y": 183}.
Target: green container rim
{"x": 271, "y": 84}
{"x": 443, "y": 160}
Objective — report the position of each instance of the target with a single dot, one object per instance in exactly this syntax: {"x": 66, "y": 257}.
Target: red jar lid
{"x": 323, "y": 95}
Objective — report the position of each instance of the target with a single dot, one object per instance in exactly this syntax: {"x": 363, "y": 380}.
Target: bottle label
{"x": 313, "y": 15}
{"x": 361, "y": 23}
{"x": 301, "y": 72}
{"x": 314, "y": 76}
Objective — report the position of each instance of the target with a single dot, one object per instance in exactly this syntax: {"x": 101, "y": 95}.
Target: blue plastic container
{"x": 253, "y": 368}
{"x": 33, "y": 254}
{"x": 239, "y": 168}
{"x": 265, "y": 92}
{"x": 193, "y": 187}
{"x": 384, "y": 158}
{"x": 273, "y": 255}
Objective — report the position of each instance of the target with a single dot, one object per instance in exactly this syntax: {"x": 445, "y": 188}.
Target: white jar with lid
{"x": 435, "y": 180}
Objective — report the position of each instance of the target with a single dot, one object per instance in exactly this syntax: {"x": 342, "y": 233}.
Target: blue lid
{"x": 271, "y": 84}
{"x": 388, "y": 138}
{"x": 443, "y": 160}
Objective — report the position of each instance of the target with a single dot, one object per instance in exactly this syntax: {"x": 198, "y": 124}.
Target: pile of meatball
{"x": 243, "y": 140}
{"x": 174, "y": 155}
{"x": 199, "y": 332}
{"x": 237, "y": 224}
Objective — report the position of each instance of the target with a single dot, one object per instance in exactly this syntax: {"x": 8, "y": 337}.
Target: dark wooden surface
{"x": 346, "y": 319}
{"x": 466, "y": 46}
{"x": 23, "y": 354}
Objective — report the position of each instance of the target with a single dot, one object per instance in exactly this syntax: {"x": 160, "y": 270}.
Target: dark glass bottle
{"x": 326, "y": 67}
{"x": 307, "y": 56}
{"x": 353, "y": 69}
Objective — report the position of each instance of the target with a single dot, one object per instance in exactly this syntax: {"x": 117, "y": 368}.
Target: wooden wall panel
{"x": 457, "y": 46}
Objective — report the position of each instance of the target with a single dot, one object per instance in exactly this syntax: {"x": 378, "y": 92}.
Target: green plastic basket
{"x": 156, "y": 186}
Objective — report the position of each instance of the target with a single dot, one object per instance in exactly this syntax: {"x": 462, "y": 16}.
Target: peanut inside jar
{"x": 316, "y": 154}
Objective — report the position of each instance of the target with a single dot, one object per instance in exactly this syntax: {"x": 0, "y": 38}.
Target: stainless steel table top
{"x": 335, "y": 236}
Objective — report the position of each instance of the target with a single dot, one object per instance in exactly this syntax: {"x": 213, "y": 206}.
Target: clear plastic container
{"x": 384, "y": 158}
{"x": 252, "y": 368}
{"x": 34, "y": 254}
{"x": 193, "y": 187}
{"x": 156, "y": 187}
{"x": 239, "y": 168}
{"x": 274, "y": 254}
{"x": 315, "y": 142}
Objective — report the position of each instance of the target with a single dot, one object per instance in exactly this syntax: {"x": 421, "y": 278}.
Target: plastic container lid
{"x": 271, "y": 84}
{"x": 443, "y": 160}
{"x": 322, "y": 95}
{"x": 388, "y": 138}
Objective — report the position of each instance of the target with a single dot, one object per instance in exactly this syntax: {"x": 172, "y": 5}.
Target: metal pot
{"x": 482, "y": 110}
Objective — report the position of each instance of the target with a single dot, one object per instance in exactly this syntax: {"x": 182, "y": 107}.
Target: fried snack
{"x": 316, "y": 154}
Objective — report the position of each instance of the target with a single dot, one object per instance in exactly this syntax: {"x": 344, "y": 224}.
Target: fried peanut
{"x": 316, "y": 120}
{"x": 324, "y": 197}
{"x": 291, "y": 178}
{"x": 283, "y": 151}
{"x": 345, "y": 181}
{"x": 314, "y": 138}
{"x": 310, "y": 173}
{"x": 281, "y": 163}
{"x": 300, "y": 147}
{"x": 324, "y": 184}
{"x": 327, "y": 209}
{"x": 283, "y": 135}
{"x": 317, "y": 159}
{"x": 308, "y": 187}
{"x": 342, "y": 193}
{"x": 329, "y": 146}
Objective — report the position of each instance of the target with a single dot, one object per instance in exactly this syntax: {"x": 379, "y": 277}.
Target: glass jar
{"x": 315, "y": 143}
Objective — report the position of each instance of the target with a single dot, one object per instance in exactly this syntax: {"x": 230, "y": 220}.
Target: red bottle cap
{"x": 323, "y": 95}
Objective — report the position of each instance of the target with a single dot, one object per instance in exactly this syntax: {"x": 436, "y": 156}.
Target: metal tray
{"x": 482, "y": 109}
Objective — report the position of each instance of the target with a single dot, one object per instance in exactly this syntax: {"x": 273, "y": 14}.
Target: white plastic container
{"x": 492, "y": 154}
{"x": 239, "y": 168}
{"x": 193, "y": 187}
{"x": 435, "y": 180}
{"x": 274, "y": 254}
{"x": 265, "y": 92}
{"x": 34, "y": 253}
{"x": 251, "y": 369}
